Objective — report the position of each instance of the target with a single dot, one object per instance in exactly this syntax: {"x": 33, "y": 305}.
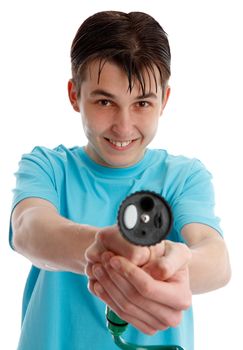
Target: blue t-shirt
{"x": 59, "y": 313}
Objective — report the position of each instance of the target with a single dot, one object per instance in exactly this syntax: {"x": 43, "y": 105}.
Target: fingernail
{"x": 98, "y": 289}
{"x": 98, "y": 272}
{"x": 115, "y": 263}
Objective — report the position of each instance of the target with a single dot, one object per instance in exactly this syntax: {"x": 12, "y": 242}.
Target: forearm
{"x": 209, "y": 266}
{"x": 50, "y": 241}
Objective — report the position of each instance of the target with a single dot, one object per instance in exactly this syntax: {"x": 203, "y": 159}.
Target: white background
{"x": 201, "y": 120}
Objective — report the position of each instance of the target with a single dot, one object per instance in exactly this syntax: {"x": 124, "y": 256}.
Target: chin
{"x": 110, "y": 160}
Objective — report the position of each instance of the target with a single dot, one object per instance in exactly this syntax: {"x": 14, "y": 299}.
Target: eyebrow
{"x": 148, "y": 95}
{"x": 102, "y": 92}
{"x": 109, "y": 95}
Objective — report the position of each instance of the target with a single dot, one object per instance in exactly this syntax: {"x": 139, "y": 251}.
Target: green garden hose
{"x": 116, "y": 326}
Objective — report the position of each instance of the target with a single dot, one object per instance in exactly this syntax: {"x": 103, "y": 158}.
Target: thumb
{"x": 164, "y": 263}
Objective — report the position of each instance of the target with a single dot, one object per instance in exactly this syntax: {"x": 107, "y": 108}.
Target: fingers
{"x": 110, "y": 239}
{"x": 139, "y": 324}
{"x": 152, "y": 296}
{"x": 167, "y": 259}
{"x": 116, "y": 290}
{"x": 161, "y": 292}
{"x": 165, "y": 316}
{"x": 106, "y": 288}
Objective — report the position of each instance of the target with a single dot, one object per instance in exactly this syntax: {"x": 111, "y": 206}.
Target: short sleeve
{"x": 34, "y": 178}
{"x": 196, "y": 202}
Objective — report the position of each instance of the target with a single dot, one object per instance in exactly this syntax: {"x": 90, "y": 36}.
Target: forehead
{"x": 108, "y": 73}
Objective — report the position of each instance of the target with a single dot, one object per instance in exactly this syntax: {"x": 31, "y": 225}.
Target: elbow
{"x": 16, "y": 242}
{"x": 226, "y": 273}
{"x": 18, "y": 239}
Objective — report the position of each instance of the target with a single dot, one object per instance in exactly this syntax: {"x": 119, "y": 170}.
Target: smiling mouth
{"x": 120, "y": 143}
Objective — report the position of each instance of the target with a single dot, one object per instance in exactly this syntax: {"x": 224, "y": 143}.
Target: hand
{"x": 110, "y": 239}
{"x": 151, "y": 297}
{"x": 166, "y": 258}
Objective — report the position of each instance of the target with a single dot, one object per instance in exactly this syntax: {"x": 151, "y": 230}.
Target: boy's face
{"x": 118, "y": 124}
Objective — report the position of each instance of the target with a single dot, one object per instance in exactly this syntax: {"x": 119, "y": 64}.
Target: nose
{"x": 123, "y": 124}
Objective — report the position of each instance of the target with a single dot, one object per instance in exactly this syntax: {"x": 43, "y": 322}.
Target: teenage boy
{"x": 66, "y": 202}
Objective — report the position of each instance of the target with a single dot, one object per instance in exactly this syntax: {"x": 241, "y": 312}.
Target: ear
{"x": 165, "y": 98}
{"x": 72, "y": 93}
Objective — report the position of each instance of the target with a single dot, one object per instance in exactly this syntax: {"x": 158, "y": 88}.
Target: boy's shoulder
{"x": 57, "y": 154}
{"x": 58, "y": 151}
{"x": 175, "y": 160}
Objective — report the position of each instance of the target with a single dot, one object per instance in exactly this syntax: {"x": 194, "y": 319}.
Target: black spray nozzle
{"x": 145, "y": 218}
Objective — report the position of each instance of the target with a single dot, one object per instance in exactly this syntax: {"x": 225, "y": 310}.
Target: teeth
{"x": 120, "y": 143}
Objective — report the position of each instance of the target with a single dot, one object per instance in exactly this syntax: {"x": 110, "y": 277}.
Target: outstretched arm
{"x": 209, "y": 266}
{"x": 48, "y": 240}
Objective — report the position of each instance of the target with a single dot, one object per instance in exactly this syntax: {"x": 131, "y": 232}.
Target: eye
{"x": 143, "y": 104}
{"x": 104, "y": 102}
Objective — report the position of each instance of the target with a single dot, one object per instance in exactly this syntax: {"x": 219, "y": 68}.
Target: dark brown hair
{"x": 135, "y": 41}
